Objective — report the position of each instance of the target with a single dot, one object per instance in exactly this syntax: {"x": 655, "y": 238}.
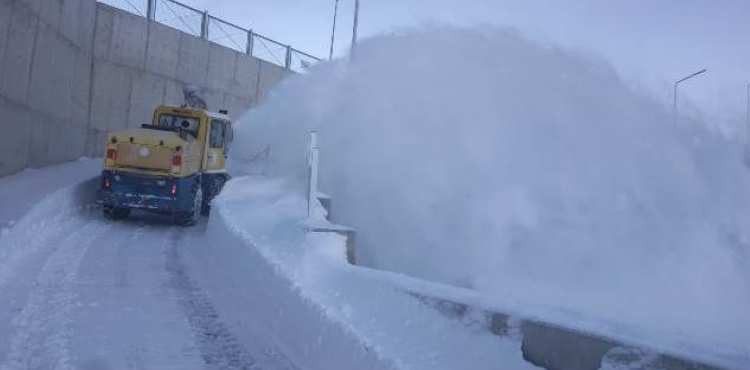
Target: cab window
{"x": 218, "y": 130}
{"x": 228, "y": 136}
{"x": 189, "y": 124}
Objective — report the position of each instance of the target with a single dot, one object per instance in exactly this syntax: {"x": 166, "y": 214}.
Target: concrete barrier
{"x": 309, "y": 335}
{"x": 554, "y": 347}
{"x": 70, "y": 71}
{"x": 349, "y": 234}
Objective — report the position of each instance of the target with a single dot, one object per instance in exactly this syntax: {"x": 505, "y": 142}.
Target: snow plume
{"x": 529, "y": 172}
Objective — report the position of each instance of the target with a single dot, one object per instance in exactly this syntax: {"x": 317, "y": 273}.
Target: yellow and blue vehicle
{"x": 174, "y": 166}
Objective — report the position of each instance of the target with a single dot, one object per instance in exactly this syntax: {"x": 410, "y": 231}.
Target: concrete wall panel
{"x": 173, "y": 93}
{"x": 62, "y": 88}
{"x": 245, "y": 78}
{"x": 80, "y": 89}
{"x": 270, "y": 76}
{"x": 44, "y": 71}
{"x": 222, "y": 62}
{"x": 5, "y": 10}
{"x": 14, "y": 141}
{"x": 110, "y": 96}
{"x": 120, "y": 37}
{"x": 56, "y": 137}
{"x": 67, "y": 144}
{"x": 105, "y": 21}
{"x": 64, "y": 142}
{"x": 163, "y": 50}
{"x": 146, "y": 94}
{"x": 193, "y": 60}
{"x": 14, "y": 82}
{"x": 95, "y": 140}
{"x": 52, "y": 73}
{"x": 47, "y": 10}
{"x": 129, "y": 35}
{"x": 87, "y": 11}
{"x": 69, "y": 19}
{"x": 39, "y": 141}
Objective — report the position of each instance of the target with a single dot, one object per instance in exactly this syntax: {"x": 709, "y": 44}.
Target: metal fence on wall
{"x": 201, "y": 24}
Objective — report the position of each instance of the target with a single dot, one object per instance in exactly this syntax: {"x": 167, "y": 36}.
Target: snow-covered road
{"x": 248, "y": 288}
{"x": 86, "y": 293}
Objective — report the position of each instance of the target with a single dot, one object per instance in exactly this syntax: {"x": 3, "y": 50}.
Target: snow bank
{"x": 21, "y": 191}
{"x": 40, "y": 199}
{"x": 527, "y": 172}
{"x": 324, "y": 313}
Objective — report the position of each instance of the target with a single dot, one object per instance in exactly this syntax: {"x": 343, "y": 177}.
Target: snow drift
{"x": 528, "y": 172}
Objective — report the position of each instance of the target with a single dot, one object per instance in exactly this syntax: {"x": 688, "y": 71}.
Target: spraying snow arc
{"x": 528, "y": 172}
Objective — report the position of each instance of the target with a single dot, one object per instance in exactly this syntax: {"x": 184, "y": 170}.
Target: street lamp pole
{"x": 354, "y": 30}
{"x": 333, "y": 32}
{"x": 748, "y": 114}
{"x": 674, "y": 100}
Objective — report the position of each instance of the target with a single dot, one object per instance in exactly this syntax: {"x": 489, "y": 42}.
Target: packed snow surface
{"x": 78, "y": 291}
{"x": 21, "y": 191}
{"x": 248, "y": 288}
{"x": 530, "y": 173}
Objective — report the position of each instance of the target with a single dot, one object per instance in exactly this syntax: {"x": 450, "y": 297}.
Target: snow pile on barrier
{"x": 258, "y": 265}
{"x": 525, "y": 171}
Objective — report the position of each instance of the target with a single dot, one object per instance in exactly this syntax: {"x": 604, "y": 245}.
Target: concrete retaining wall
{"x": 72, "y": 70}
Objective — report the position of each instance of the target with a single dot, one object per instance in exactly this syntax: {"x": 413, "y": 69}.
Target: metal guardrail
{"x": 201, "y": 24}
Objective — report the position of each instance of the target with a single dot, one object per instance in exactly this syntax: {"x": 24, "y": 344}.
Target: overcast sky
{"x": 650, "y": 42}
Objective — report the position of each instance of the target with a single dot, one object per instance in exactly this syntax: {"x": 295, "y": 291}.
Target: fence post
{"x": 204, "y": 25}
{"x": 250, "y": 40}
{"x": 288, "y": 64}
{"x": 151, "y": 10}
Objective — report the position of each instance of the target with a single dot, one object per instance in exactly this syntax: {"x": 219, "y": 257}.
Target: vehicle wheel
{"x": 192, "y": 216}
{"x": 214, "y": 189}
{"x": 116, "y": 213}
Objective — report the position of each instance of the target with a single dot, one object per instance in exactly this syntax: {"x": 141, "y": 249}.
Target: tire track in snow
{"x": 219, "y": 348}
{"x": 43, "y": 327}
{"x": 21, "y": 244}
{"x": 122, "y": 274}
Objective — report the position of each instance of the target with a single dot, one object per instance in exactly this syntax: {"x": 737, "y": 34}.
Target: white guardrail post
{"x": 313, "y": 161}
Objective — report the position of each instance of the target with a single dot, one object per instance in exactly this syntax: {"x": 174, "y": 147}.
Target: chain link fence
{"x": 201, "y": 24}
{"x": 228, "y": 34}
{"x": 177, "y": 15}
{"x": 137, "y": 7}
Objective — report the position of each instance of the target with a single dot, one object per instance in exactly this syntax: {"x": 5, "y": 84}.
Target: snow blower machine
{"x": 174, "y": 166}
